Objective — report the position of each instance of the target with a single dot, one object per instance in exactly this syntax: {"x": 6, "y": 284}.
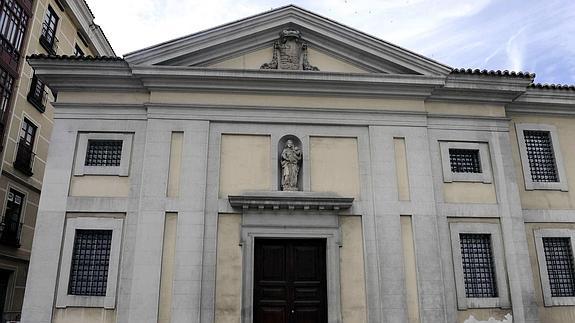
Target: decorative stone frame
{"x": 549, "y": 300}
{"x": 79, "y": 163}
{"x": 64, "y": 300}
{"x": 561, "y": 185}
{"x": 449, "y": 176}
{"x": 463, "y": 302}
{"x": 332, "y": 236}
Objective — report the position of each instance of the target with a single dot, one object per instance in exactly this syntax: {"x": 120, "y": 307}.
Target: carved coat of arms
{"x": 290, "y": 53}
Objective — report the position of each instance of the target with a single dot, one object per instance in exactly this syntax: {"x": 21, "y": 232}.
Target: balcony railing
{"x": 48, "y": 39}
{"x": 11, "y": 317}
{"x": 10, "y": 230}
{"x": 38, "y": 96}
{"x": 9, "y": 55}
{"x": 24, "y": 161}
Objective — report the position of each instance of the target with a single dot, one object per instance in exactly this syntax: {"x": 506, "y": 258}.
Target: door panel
{"x": 290, "y": 281}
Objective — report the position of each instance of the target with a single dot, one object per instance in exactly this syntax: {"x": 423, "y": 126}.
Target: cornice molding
{"x": 201, "y": 47}
{"x": 279, "y": 200}
{"x": 84, "y": 19}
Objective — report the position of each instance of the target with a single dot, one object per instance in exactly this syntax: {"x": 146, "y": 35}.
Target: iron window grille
{"x": 478, "y": 265}
{"x": 13, "y": 22}
{"x": 90, "y": 263}
{"x": 48, "y": 38}
{"x": 465, "y": 160}
{"x": 38, "y": 96}
{"x": 541, "y": 156}
{"x": 103, "y": 153}
{"x": 560, "y": 266}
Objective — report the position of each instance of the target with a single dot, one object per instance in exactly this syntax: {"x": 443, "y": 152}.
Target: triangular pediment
{"x": 249, "y": 43}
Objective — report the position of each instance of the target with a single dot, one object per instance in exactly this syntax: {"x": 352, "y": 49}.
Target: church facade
{"x": 287, "y": 168}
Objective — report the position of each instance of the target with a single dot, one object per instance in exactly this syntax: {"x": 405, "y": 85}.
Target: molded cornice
{"x": 254, "y": 32}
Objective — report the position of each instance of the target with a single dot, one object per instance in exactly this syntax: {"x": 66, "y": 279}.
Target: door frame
{"x": 332, "y": 245}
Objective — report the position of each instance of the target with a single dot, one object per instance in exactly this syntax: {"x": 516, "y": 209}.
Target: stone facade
{"x": 24, "y": 156}
{"x": 204, "y": 147}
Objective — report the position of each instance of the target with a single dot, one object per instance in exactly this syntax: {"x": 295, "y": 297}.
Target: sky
{"x": 521, "y": 35}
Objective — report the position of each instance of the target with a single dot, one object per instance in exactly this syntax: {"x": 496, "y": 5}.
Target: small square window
{"x": 465, "y": 161}
{"x": 90, "y": 262}
{"x": 103, "y": 153}
{"x": 541, "y": 157}
{"x": 478, "y": 265}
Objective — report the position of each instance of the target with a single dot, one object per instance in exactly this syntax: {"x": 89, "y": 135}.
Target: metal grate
{"x": 478, "y": 266}
{"x": 90, "y": 261}
{"x": 464, "y": 160}
{"x": 540, "y": 155}
{"x": 560, "y": 267}
{"x": 103, "y": 153}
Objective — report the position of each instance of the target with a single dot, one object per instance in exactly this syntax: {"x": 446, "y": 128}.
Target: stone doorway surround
{"x": 295, "y": 215}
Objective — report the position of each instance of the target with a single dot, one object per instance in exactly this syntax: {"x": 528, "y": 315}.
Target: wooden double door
{"x": 290, "y": 281}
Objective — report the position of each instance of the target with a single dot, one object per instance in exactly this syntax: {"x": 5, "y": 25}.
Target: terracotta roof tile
{"x": 552, "y": 86}
{"x": 75, "y": 57}
{"x": 492, "y": 72}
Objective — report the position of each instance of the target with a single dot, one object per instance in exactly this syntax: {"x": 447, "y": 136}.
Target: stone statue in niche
{"x": 290, "y": 161}
{"x": 290, "y": 53}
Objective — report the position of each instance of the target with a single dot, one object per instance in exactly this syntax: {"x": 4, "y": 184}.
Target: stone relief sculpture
{"x": 290, "y": 163}
{"x": 289, "y": 53}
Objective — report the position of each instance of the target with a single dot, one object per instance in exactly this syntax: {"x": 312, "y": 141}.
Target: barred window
{"x": 560, "y": 266}
{"x": 90, "y": 262}
{"x": 465, "y": 160}
{"x": 103, "y": 153}
{"x": 541, "y": 156}
{"x": 478, "y": 265}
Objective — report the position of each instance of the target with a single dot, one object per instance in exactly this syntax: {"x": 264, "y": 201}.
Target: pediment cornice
{"x": 259, "y": 31}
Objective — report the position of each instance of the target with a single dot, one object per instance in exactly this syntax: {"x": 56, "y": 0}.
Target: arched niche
{"x": 296, "y": 150}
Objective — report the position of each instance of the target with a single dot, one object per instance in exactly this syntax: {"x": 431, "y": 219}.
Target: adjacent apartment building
{"x": 28, "y": 27}
{"x": 285, "y": 168}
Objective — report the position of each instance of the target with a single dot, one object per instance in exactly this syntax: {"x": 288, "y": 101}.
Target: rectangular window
{"x": 560, "y": 266}
{"x": 48, "y": 38}
{"x": 11, "y": 225}
{"x": 541, "y": 156}
{"x": 25, "y": 156}
{"x": 6, "y": 83}
{"x": 13, "y": 21}
{"x": 103, "y": 153}
{"x": 478, "y": 265}
{"x": 78, "y": 51}
{"x": 465, "y": 160}
{"x": 37, "y": 95}
{"x": 90, "y": 263}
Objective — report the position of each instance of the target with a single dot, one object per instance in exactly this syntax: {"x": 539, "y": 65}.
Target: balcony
{"x": 10, "y": 230}
{"x": 48, "y": 39}
{"x": 24, "y": 161}
{"x": 38, "y": 96}
{"x": 9, "y": 56}
{"x": 10, "y": 317}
